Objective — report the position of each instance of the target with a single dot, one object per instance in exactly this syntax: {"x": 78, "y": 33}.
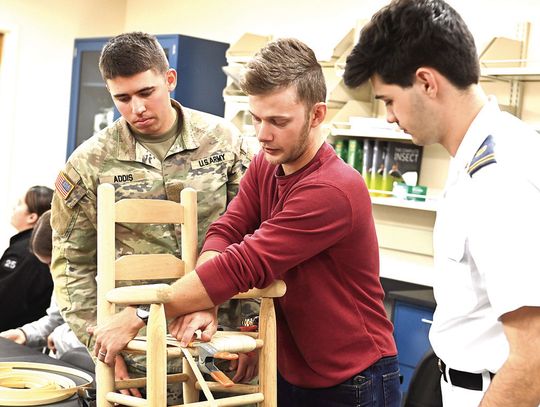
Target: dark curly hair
{"x": 408, "y": 34}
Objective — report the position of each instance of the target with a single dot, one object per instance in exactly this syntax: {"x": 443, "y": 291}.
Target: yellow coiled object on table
{"x": 34, "y": 384}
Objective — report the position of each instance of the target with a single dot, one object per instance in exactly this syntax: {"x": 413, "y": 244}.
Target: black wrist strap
{"x": 143, "y": 312}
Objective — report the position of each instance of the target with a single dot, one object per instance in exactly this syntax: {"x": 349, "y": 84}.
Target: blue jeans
{"x": 377, "y": 386}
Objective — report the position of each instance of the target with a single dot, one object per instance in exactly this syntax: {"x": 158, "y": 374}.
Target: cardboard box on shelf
{"x": 245, "y": 48}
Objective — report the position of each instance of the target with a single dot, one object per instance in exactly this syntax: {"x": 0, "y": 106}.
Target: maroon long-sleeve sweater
{"x": 313, "y": 229}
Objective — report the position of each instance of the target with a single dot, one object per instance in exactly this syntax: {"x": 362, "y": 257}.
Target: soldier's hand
{"x": 246, "y": 366}
{"x": 15, "y": 335}
{"x": 183, "y": 328}
{"x": 114, "y": 335}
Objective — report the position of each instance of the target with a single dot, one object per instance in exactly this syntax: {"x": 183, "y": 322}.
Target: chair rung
{"x": 229, "y": 401}
{"x": 140, "y": 345}
{"x": 126, "y": 400}
{"x": 140, "y": 294}
{"x": 227, "y": 333}
{"x": 141, "y": 381}
{"x": 236, "y": 388}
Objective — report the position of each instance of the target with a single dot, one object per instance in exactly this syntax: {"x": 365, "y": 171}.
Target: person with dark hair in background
{"x": 422, "y": 62}
{"x": 50, "y": 330}
{"x": 25, "y": 283}
{"x": 304, "y": 216}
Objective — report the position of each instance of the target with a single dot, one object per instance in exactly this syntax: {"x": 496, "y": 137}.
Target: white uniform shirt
{"x": 487, "y": 243}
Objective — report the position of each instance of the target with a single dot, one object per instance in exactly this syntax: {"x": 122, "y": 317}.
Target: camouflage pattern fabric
{"x": 208, "y": 155}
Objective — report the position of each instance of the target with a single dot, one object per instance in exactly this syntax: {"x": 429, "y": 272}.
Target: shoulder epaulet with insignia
{"x": 484, "y": 156}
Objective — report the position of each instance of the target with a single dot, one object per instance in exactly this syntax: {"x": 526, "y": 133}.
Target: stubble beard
{"x": 297, "y": 151}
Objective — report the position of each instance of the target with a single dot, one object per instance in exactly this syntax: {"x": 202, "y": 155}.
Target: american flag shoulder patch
{"x": 63, "y": 185}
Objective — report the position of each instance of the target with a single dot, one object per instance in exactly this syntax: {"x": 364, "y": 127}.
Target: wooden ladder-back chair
{"x": 157, "y": 346}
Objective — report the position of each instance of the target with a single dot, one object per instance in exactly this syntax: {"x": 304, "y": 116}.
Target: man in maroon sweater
{"x": 304, "y": 216}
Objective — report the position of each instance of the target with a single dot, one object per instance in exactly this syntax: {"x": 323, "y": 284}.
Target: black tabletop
{"x": 12, "y": 352}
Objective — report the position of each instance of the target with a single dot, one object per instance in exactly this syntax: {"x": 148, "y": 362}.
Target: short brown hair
{"x": 282, "y": 63}
{"x": 38, "y": 199}
{"x": 41, "y": 238}
{"x": 131, "y": 53}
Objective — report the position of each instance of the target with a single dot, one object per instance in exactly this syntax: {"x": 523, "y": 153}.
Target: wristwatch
{"x": 143, "y": 312}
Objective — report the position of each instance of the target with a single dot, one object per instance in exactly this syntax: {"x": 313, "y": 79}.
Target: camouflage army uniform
{"x": 208, "y": 156}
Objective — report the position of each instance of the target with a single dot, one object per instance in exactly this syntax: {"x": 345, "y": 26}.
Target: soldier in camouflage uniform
{"x": 156, "y": 149}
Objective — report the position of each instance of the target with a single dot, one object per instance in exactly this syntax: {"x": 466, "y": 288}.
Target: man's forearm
{"x": 207, "y": 255}
{"x": 514, "y": 385}
{"x": 517, "y": 383}
{"x": 189, "y": 295}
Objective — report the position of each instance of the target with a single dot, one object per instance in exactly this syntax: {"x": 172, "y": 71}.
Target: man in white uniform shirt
{"x": 422, "y": 62}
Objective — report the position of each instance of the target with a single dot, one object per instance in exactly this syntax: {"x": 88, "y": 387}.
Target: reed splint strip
{"x": 34, "y": 384}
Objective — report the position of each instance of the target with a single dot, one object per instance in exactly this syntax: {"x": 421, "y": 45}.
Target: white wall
{"x": 35, "y": 73}
{"x": 321, "y": 24}
{"x": 35, "y": 81}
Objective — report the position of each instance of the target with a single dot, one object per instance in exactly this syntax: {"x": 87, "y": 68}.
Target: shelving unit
{"x": 505, "y": 69}
{"x": 344, "y": 129}
{"x": 236, "y": 102}
{"x": 429, "y": 205}
{"x": 521, "y": 74}
{"x": 405, "y": 266}
{"x": 511, "y": 85}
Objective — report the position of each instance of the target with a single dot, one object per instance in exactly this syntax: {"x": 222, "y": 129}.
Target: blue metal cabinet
{"x": 90, "y": 99}
{"x": 412, "y": 315}
{"x": 201, "y": 79}
{"x": 200, "y": 86}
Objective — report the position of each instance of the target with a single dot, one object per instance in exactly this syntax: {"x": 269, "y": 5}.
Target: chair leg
{"x": 268, "y": 353}
{"x": 189, "y": 391}
{"x": 105, "y": 380}
{"x": 105, "y": 283}
{"x": 156, "y": 364}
